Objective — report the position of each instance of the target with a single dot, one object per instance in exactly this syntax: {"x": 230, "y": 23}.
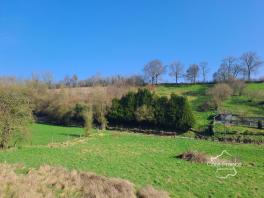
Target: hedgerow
{"x": 145, "y": 109}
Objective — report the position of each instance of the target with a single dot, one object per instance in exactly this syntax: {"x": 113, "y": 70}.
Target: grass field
{"x": 45, "y": 134}
{"x": 196, "y": 94}
{"x": 145, "y": 159}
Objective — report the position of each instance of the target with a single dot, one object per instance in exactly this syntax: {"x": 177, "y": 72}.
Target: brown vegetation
{"x": 194, "y": 156}
{"x": 238, "y": 86}
{"x": 150, "y": 192}
{"x": 69, "y": 105}
{"x": 49, "y": 182}
{"x": 219, "y": 93}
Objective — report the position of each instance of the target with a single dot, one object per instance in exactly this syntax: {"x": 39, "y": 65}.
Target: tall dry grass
{"x": 51, "y": 182}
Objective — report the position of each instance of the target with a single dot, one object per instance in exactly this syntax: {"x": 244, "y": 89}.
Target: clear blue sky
{"x": 120, "y": 36}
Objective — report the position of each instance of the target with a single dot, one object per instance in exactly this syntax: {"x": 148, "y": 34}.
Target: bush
{"x": 144, "y": 114}
{"x": 88, "y": 121}
{"x": 207, "y": 106}
{"x": 99, "y": 116}
{"x": 161, "y": 107}
{"x": 238, "y": 86}
{"x": 219, "y": 93}
{"x": 15, "y": 115}
{"x": 148, "y": 110}
{"x": 179, "y": 113}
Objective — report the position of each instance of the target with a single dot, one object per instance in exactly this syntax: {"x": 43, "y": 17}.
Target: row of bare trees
{"x": 242, "y": 67}
{"x": 155, "y": 69}
{"x": 230, "y": 68}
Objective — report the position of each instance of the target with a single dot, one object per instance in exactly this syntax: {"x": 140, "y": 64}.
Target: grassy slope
{"x": 241, "y": 105}
{"x": 147, "y": 160}
{"x": 197, "y": 95}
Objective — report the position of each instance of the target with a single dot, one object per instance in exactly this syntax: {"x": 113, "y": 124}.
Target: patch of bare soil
{"x": 49, "y": 182}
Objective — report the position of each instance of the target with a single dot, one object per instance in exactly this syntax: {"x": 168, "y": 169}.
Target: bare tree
{"x": 250, "y": 62}
{"x": 67, "y": 81}
{"x": 219, "y": 93}
{"x": 153, "y": 70}
{"x": 74, "y": 80}
{"x": 229, "y": 69}
{"x": 204, "y": 69}
{"x": 47, "y": 78}
{"x": 176, "y": 70}
{"x": 192, "y": 73}
{"x": 35, "y": 77}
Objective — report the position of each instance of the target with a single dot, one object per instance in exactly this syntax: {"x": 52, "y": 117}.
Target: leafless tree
{"x": 219, "y": 93}
{"x": 67, "y": 81}
{"x": 47, "y": 78}
{"x": 250, "y": 62}
{"x": 192, "y": 73}
{"x": 35, "y": 77}
{"x": 153, "y": 70}
{"x": 176, "y": 70}
{"x": 228, "y": 70}
{"x": 74, "y": 80}
{"x": 204, "y": 69}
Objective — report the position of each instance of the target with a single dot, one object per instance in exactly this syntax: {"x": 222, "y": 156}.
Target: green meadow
{"x": 143, "y": 159}
{"x": 196, "y": 95}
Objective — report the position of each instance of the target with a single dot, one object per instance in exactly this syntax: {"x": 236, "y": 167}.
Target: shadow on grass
{"x": 70, "y": 135}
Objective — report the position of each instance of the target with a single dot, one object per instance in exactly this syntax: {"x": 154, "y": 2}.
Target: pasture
{"x": 143, "y": 159}
{"x": 243, "y": 105}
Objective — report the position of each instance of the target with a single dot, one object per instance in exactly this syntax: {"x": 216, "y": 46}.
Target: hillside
{"x": 244, "y": 105}
{"x": 143, "y": 160}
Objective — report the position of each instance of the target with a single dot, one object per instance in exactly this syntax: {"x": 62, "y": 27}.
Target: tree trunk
{"x": 249, "y": 75}
{"x": 152, "y": 80}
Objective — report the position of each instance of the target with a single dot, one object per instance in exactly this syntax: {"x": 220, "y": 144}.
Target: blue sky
{"x": 120, "y": 36}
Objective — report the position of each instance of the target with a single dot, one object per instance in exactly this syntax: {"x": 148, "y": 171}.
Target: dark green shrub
{"x": 128, "y": 104}
{"x": 145, "y": 114}
{"x": 161, "y": 108}
{"x": 145, "y": 109}
{"x": 144, "y": 97}
{"x": 115, "y": 113}
{"x": 180, "y": 115}
{"x": 260, "y": 126}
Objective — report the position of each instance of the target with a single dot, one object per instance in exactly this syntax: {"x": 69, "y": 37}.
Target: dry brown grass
{"x": 194, "y": 156}
{"x": 150, "y": 192}
{"x": 198, "y": 157}
{"x": 49, "y": 182}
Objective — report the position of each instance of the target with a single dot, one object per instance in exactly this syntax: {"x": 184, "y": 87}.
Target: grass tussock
{"x": 194, "y": 156}
{"x": 51, "y": 182}
{"x": 150, "y": 192}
